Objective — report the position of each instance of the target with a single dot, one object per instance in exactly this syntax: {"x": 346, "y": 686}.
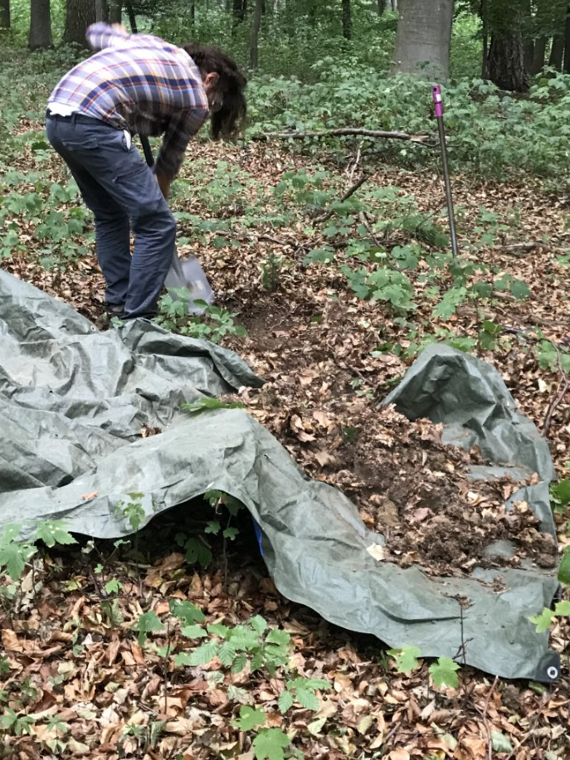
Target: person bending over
{"x": 138, "y": 84}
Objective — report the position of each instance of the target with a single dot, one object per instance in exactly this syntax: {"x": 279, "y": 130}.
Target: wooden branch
{"x": 351, "y": 190}
{"x": 375, "y": 134}
{"x": 556, "y": 401}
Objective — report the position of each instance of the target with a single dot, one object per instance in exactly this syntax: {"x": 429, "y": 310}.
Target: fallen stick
{"x": 563, "y": 386}
{"x": 351, "y": 190}
{"x": 346, "y": 131}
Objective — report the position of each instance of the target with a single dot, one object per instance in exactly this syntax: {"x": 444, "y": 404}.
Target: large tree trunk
{"x": 80, "y": 14}
{"x": 346, "y": 19}
{"x": 5, "y": 14}
{"x": 423, "y": 38}
{"x": 254, "y": 37}
{"x": 506, "y": 60}
{"x": 115, "y": 11}
{"x": 101, "y": 10}
{"x": 40, "y": 25}
{"x": 557, "y": 52}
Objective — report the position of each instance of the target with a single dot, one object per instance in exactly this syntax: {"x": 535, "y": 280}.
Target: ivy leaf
{"x": 444, "y": 672}
{"x": 204, "y": 654}
{"x": 285, "y": 701}
{"x": 147, "y": 623}
{"x": 249, "y": 717}
{"x": 406, "y": 658}
{"x": 543, "y": 621}
{"x": 270, "y": 743}
{"x": 52, "y": 532}
{"x": 186, "y": 612}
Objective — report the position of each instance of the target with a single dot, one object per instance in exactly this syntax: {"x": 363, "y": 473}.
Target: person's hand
{"x": 119, "y": 28}
{"x": 164, "y": 185}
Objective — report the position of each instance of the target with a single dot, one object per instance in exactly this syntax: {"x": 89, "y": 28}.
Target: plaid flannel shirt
{"x": 140, "y": 83}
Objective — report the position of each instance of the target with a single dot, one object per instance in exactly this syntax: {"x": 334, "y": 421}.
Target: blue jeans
{"x": 121, "y": 191}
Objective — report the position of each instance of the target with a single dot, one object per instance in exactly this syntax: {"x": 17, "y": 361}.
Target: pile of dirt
{"x": 416, "y": 491}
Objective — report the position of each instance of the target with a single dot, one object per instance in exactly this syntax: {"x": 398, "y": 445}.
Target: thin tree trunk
{"x": 80, "y": 14}
{"x": 115, "y": 11}
{"x": 193, "y": 12}
{"x": 346, "y": 19}
{"x": 254, "y": 37}
{"x": 5, "y": 14}
{"x": 557, "y": 52}
{"x": 484, "y": 11}
{"x": 423, "y": 38}
{"x": 567, "y": 43}
{"x": 381, "y": 7}
{"x": 40, "y": 25}
{"x": 539, "y": 55}
{"x": 132, "y": 18}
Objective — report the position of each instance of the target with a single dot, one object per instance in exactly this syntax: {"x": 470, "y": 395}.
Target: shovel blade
{"x": 188, "y": 273}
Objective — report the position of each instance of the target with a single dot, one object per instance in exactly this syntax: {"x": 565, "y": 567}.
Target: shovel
{"x": 184, "y": 273}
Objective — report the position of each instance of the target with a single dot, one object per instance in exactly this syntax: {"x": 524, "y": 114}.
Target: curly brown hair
{"x": 228, "y": 121}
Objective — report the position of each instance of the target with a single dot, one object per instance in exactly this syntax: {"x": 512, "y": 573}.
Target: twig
{"x": 351, "y": 190}
{"x": 518, "y": 249}
{"x": 347, "y": 131}
{"x": 364, "y": 220}
{"x": 354, "y": 167}
{"x": 486, "y": 722}
{"x": 556, "y": 401}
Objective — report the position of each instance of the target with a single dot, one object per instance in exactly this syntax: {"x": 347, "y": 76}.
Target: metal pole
{"x": 438, "y": 101}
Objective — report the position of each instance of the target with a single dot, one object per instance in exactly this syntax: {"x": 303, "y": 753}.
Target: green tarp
{"x": 73, "y": 402}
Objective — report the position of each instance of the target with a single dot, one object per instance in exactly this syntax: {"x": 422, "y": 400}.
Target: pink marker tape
{"x": 438, "y": 100}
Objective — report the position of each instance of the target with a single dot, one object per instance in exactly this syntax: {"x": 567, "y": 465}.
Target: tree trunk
{"x": 40, "y": 25}
{"x": 484, "y": 12}
{"x": 254, "y": 37}
{"x": 557, "y": 52}
{"x": 381, "y": 7}
{"x": 132, "y": 19}
{"x": 101, "y": 10}
{"x": 346, "y": 19}
{"x": 538, "y": 56}
{"x": 80, "y": 14}
{"x": 423, "y": 38}
{"x": 567, "y": 43}
{"x": 193, "y": 12}
{"x": 506, "y": 60}
{"x": 5, "y": 14}
{"x": 115, "y": 11}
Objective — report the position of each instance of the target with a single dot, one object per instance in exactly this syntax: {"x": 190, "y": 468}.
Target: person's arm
{"x": 102, "y": 35}
{"x": 180, "y": 129}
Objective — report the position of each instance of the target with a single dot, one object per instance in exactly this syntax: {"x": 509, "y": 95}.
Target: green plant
{"x": 444, "y": 672}
{"x": 406, "y": 658}
{"x": 271, "y": 273}
{"x": 147, "y": 623}
{"x": 132, "y": 511}
{"x": 214, "y": 325}
{"x": 302, "y": 690}
{"x": 15, "y": 724}
{"x": 250, "y": 642}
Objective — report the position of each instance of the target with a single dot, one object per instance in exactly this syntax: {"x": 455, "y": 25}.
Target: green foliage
{"x": 444, "y": 672}
{"x": 406, "y": 658}
{"x": 15, "y": 554}
{"x": 132, "y": 510}
{"x": 270, "y": 744}
{"x": 547, "y": 617}
{"x": 53, "y": 532}
{"x": 214, "y": 325}
{"x": 564, "y": 569}
{"x": 186, "y": 612}
{"x": 235, "y": 647}
{"x": 303, "y": 691}
{"x": 15, "y": 724}
{"x": 249, "y": 718}
{"x": 146, "y": 624}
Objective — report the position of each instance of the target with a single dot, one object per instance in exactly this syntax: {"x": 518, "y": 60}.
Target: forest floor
{"x": 328, "y": 358}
